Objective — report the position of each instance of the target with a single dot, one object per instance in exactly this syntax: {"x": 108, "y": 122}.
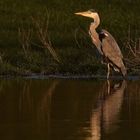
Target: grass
{"x": 68, "y": 34}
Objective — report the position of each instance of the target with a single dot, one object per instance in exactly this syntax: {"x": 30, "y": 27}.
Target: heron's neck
{"x": 96, "y": 22}
{"x": 94, "y": 35}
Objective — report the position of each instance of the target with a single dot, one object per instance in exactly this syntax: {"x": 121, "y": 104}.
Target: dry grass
{"x": 1, "y": 61}
{"x": 25, "y": 39}
{"x": 41, "y": 30}
{"x": 133, "y": 56}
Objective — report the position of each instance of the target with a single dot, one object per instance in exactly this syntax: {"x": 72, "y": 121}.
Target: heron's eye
{"x": 89, "y": 12}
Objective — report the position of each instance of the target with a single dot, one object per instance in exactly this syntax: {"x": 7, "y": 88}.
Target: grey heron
{"x": 106, "y": 44}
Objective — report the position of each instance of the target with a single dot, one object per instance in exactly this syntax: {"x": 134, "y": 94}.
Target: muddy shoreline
{"x": 69, "y": 77}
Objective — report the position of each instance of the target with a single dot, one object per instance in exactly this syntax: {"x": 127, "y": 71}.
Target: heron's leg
{"x": 108, "y": 87}
{"x": 108, "y": 70}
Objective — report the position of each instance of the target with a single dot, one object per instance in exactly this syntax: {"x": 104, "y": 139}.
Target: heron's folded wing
{"x": 110, "y": 43}
{"x": 111, "y": 49}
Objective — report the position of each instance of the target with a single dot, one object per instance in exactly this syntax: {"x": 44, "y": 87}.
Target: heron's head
{"x": 90, "y": 13}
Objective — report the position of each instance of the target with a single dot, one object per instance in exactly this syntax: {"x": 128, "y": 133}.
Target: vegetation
{"x": 44, "y": 36}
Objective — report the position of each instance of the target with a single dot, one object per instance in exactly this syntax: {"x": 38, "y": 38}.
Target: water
{"x": 32, "y": 109}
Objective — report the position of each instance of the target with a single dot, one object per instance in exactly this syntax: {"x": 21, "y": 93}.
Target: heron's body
{"x": 106, "y": 44}
{"x": 112, "y": 53}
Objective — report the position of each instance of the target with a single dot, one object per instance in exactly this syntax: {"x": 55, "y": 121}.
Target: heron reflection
{"x": 106, "y": 115}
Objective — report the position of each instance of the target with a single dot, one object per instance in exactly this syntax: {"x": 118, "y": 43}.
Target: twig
{"x": 75, "y": 36}
{"x": 42, "y": 34}
{"x": 24, "y": 39}
{"x": 1, "y": 61}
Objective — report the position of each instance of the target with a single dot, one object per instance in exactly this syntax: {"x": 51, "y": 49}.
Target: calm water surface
{"x": 33, "y": 109}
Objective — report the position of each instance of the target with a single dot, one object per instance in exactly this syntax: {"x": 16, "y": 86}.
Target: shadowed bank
{"x": 23, "y": 50}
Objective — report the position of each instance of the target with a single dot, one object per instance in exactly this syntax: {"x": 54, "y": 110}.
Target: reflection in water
{"x": 108, "y": 109}
{"x": 69, "y": 110}
{"x": 42, "y": 109}
{"x": 25, "y": 108}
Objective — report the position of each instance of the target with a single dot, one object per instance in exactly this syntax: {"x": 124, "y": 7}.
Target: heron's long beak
{"x": 85, "y": 14}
